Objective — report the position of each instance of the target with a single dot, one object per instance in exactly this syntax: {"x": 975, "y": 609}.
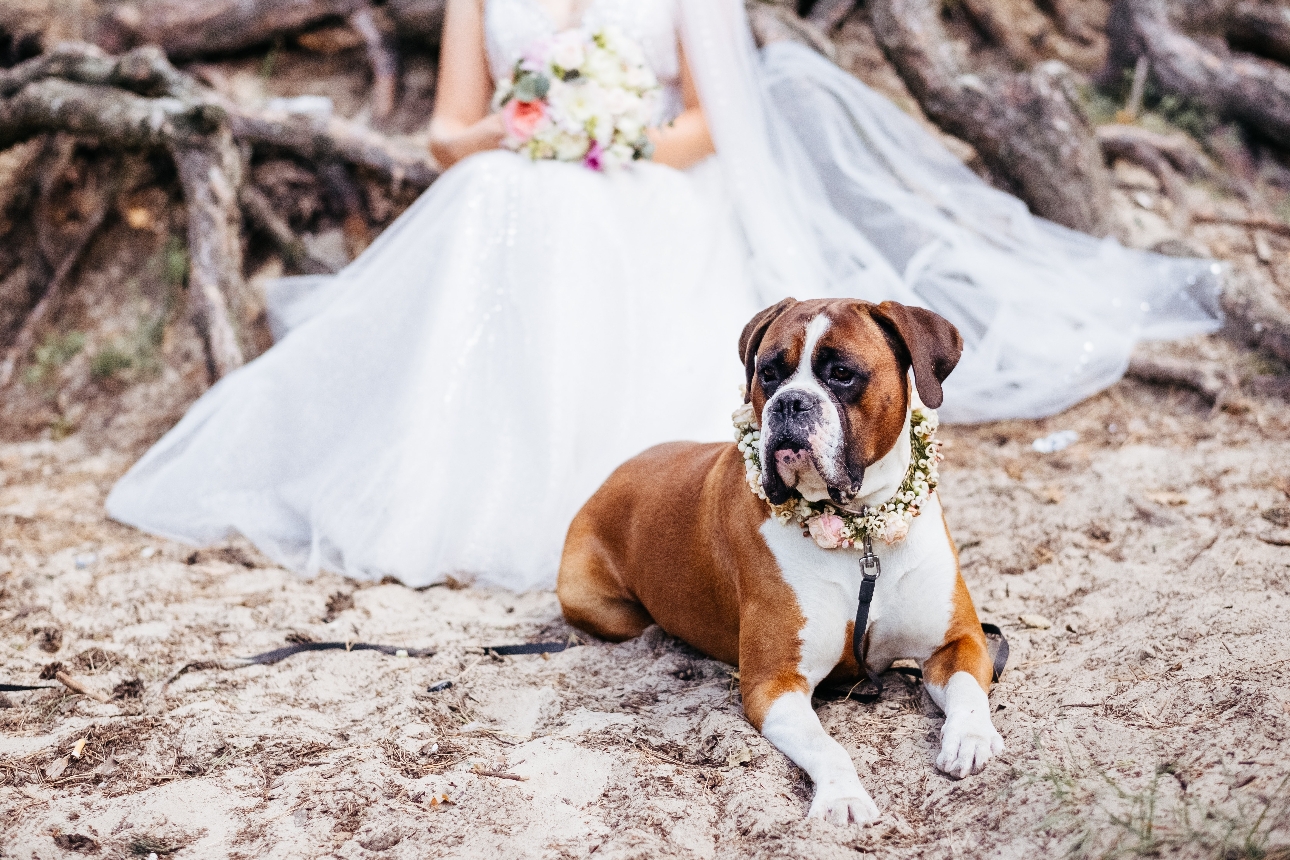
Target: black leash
{"x": 870, "y": 570}
{"x": 277, "y": 655}
{"x": 529, "y": 648}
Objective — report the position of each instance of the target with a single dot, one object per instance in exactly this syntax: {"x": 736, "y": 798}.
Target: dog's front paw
{"x": 839, "y": 804}
{"x": 968, "y": 741}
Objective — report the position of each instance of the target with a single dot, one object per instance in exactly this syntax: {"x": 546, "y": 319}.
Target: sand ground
{"x": 1152, "y": 717}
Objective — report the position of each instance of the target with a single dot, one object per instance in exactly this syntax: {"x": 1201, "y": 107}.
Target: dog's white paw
{"x": 840, "y": 804}
{"x": 968, "y": 741}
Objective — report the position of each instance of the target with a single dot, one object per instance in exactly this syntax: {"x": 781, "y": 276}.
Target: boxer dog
{"x": 676, "y": 538}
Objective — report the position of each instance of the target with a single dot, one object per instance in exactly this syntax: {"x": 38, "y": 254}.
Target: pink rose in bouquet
{"x": 523, "y": 119}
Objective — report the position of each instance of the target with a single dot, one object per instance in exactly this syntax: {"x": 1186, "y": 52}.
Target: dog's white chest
{"x": 912, "y": 601}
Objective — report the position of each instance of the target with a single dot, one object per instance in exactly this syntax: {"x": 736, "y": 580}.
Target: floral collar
{"x": 834, "y": 528}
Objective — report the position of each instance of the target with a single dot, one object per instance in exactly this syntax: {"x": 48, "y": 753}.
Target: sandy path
{"x": 1158, "y": 546}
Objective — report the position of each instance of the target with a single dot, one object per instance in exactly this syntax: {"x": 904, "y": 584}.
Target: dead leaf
{"x": 139, "y": 218}
{"x": 330, "y": 40}
{"x": 78, "y": 842}
{"x": 55, "y": 769}
{"x": 741, "y": 756}
{"x": 1036, "y": 622}
{"x": 1167, "y": 498}
{"x": 441, "y": 799}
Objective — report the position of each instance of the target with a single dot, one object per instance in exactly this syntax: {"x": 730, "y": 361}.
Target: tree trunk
{"x": 1026, "y": 127}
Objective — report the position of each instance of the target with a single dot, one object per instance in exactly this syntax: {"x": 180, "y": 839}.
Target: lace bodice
{"x": 511, "y": 26}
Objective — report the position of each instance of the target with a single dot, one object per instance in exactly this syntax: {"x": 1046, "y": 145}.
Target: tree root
{"x": 1253, "y": 315}
{"x": 1026, "y": 127}
{"x": 260, "y": 213}
{"x": 1029, "y": 36}
{"x": 395, "y": 162}
{"x": 1231, "y": 84}
{"x": 140, "y": 101}
{"x": 184, "y": 29}
{"x": 418, "y": 20}
{"x": 1205, "y": 378}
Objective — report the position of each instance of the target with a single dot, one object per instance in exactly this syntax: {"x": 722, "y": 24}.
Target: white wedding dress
{"x": 445, "y": 404}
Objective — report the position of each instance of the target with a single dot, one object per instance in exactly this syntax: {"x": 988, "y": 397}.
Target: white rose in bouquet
{"x": 581, "y": 96}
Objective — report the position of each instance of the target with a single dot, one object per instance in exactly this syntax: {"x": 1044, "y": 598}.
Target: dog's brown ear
{"x": 750, "y": 340}
{"x": 931, "y": 342}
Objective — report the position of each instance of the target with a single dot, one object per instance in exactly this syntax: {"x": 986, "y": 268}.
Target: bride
{"x": 445, "y": 404}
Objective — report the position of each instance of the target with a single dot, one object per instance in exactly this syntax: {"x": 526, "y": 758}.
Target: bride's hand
{"x": 685, "y": 141}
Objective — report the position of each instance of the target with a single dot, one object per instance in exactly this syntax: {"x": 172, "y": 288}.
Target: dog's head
{"x": 829, "y": 379}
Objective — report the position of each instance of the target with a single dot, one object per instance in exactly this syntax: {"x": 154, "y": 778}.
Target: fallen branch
{"x": 77, "y": 687}
{"x": 497, "y": 774}
{"x": 1026, "y": 127}
{"x": 1249, "y": 222}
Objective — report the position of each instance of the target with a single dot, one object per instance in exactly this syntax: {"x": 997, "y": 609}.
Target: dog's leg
{"x": 590, "y": 595}
{"x": 957, "y": 677}
{"x": 793, "y": 727}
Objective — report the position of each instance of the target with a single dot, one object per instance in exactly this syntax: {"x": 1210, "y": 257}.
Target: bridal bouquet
{"x": 581, "y": 96}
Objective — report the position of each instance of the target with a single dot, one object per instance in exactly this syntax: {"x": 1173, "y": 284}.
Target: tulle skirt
{"x": 446, "y": 403}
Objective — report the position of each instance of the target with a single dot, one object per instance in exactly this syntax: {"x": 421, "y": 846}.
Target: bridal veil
{"x": 839, "y": 193}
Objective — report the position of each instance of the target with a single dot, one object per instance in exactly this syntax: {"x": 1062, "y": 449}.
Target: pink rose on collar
{"x": 894, "y": 529}
{"x": 523, "y": 119}
{"x": 826, "y": 529}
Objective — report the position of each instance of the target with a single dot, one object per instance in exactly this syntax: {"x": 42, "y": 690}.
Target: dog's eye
{"x": 841, "y": 374}
{"x": 769, "y": 375}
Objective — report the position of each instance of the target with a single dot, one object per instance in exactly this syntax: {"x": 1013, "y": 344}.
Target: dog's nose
{"x": 792, "y": 404}
{"x": 792, "y": 457}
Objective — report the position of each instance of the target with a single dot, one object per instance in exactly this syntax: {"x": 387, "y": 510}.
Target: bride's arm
{"x": 686, "y": 141}
{"x": 463, "y": 122}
